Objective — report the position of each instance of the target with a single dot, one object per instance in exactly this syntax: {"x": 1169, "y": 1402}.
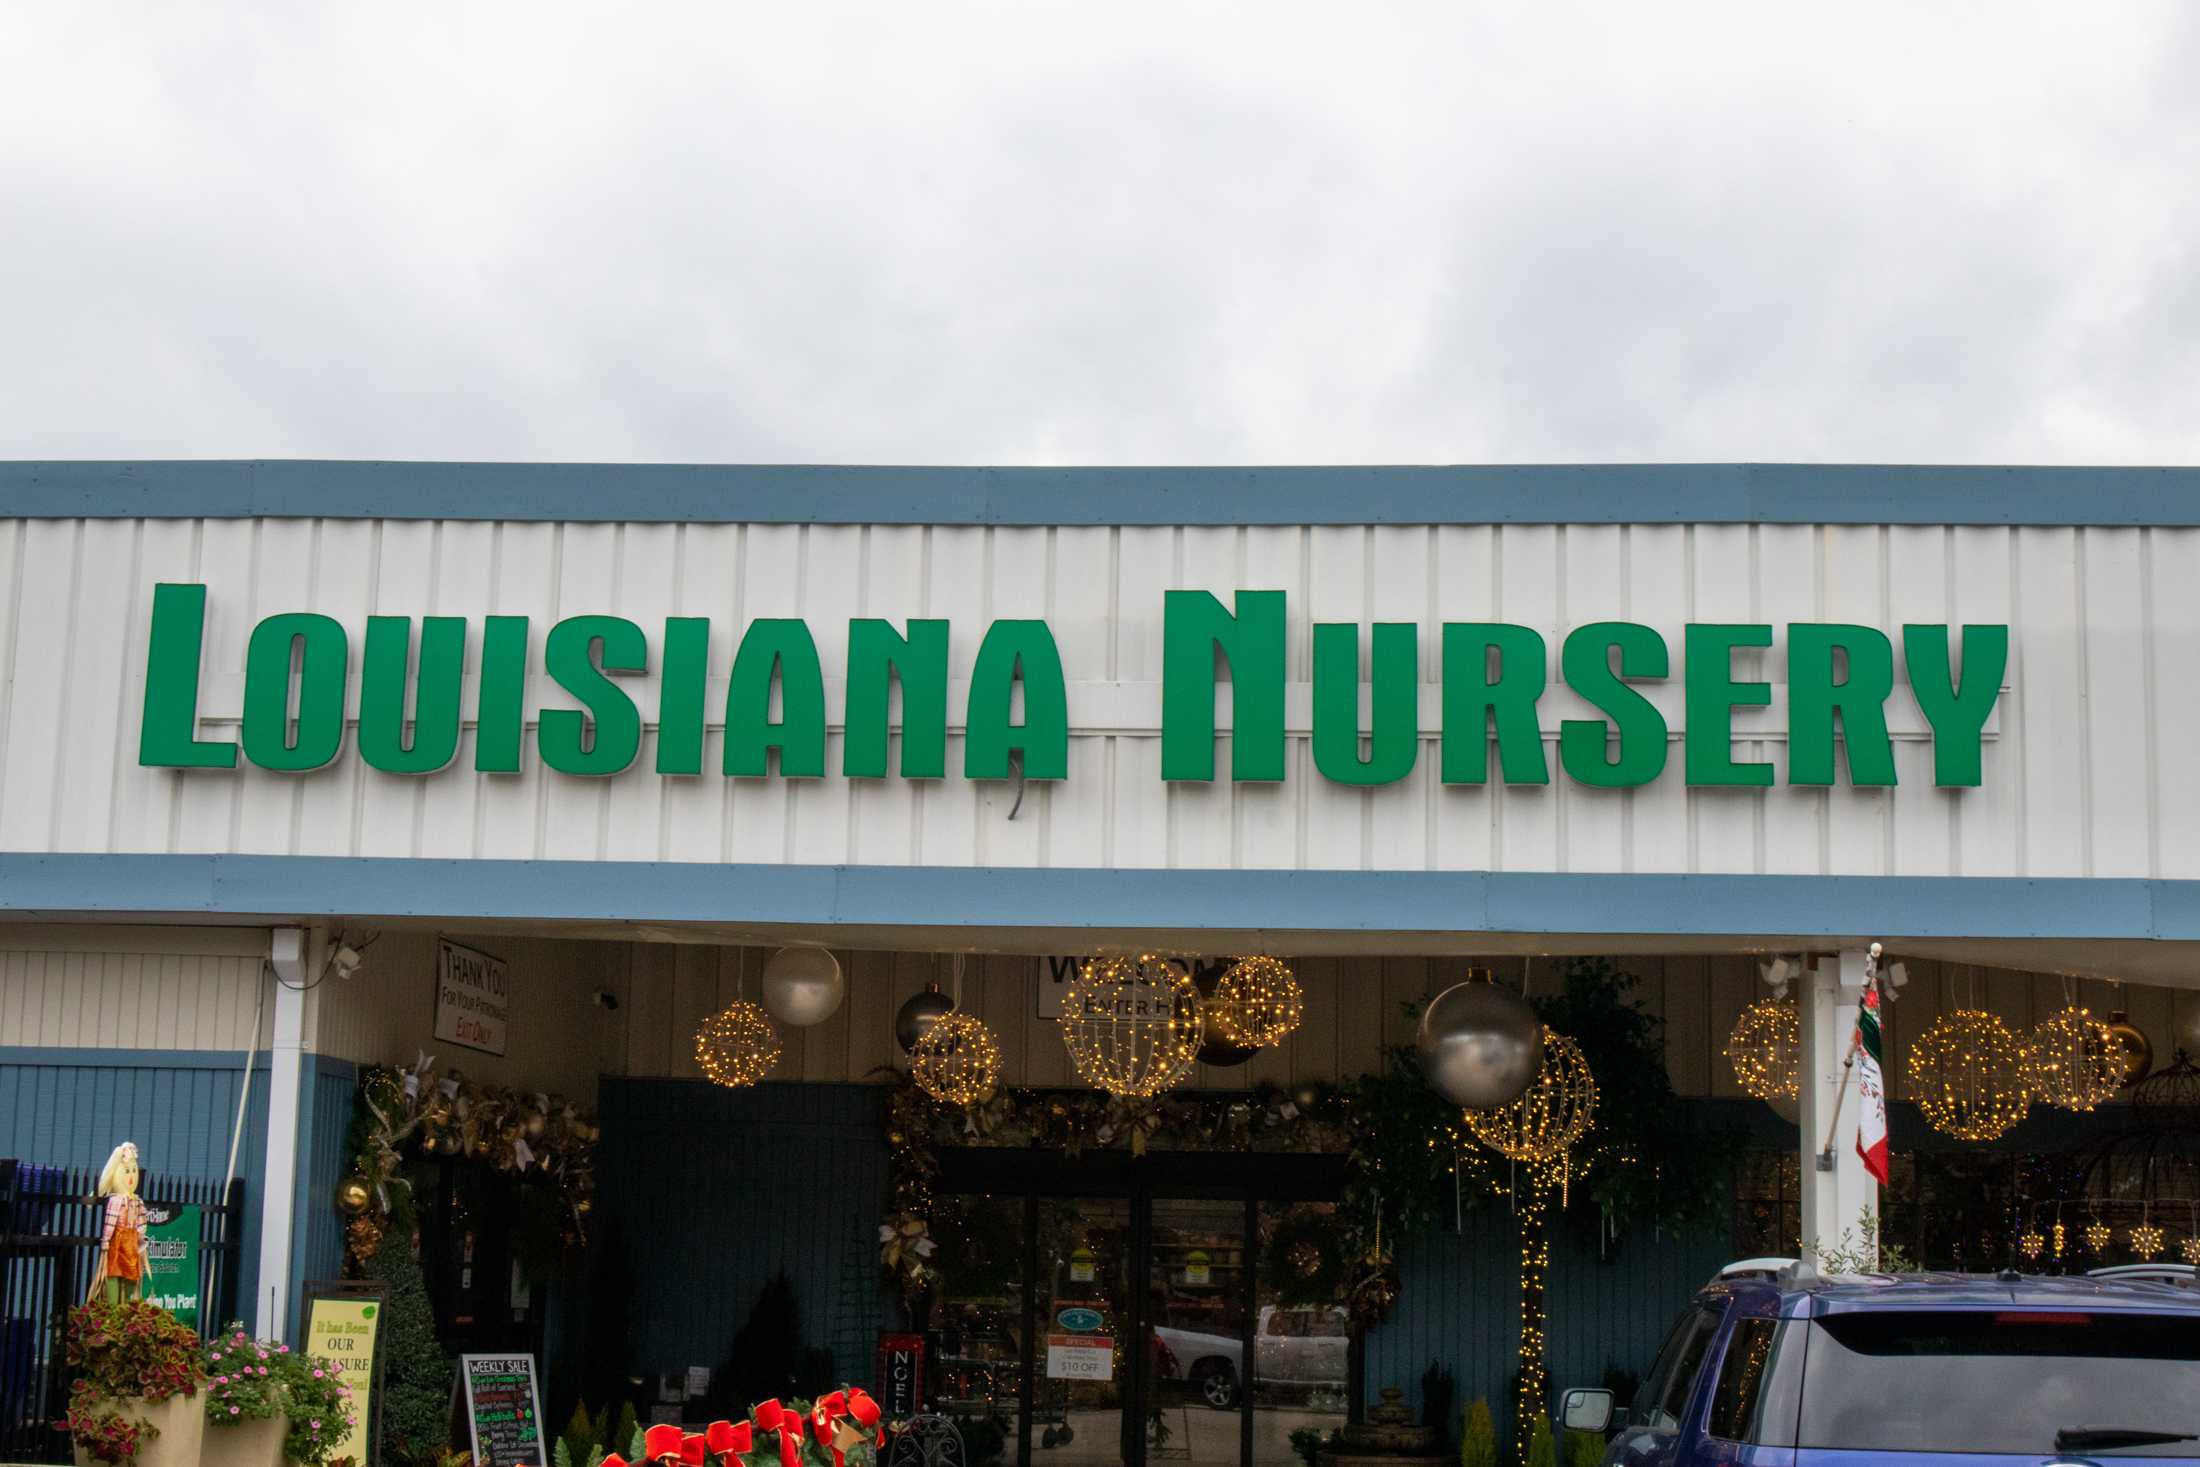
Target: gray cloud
{"x": 1034, "y": 232}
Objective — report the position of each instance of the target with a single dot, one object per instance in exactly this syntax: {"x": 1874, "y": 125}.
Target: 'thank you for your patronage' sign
{"x": 1488, "y": 708}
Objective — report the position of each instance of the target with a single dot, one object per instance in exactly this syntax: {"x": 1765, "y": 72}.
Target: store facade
{"x": 314, "y": 768}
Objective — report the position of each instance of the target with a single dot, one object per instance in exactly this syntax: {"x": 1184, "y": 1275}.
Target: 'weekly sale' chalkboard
{"x": 502, "y": 1410}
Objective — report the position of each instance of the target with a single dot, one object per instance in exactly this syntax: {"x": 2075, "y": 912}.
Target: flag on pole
{"x": 1871, "y": 1090}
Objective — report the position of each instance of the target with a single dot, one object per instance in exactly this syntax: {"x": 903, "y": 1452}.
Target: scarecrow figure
{"x": 121, "y": 1269}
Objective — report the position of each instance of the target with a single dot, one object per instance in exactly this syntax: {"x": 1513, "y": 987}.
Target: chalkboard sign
{"x": 503, "y": 1412}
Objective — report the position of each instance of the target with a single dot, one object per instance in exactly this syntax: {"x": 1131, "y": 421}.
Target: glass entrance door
{"x": 1097, "y": 1311}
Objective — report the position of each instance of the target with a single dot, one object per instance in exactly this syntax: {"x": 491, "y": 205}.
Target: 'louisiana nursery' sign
{"x": 1488, "y": 707}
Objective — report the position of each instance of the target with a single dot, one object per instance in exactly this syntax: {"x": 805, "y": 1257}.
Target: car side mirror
{"x": 1586, "y": 1410}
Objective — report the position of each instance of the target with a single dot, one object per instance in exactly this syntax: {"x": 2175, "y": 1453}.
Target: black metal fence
{"x": 49, "y": 1248}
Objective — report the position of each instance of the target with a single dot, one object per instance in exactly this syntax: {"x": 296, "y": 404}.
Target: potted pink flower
{"x": 267, "y": 1404}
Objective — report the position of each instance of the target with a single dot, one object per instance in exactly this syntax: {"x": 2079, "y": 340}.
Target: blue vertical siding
{"x": 715, "y": 1190}
{"x": 1459, "y": 1305}
{"x": 70, "y": 1107}
{"x": 324, "y": 1124}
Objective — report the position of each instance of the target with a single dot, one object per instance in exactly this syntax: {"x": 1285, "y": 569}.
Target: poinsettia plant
{"x": 841, "y": 1429}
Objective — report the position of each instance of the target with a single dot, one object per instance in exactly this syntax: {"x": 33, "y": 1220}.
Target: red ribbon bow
{"x": 771, "y": 1416}
{"x": 853, "y": 1405}
{"x": 661, "y": 1442}
{"x": 724, "y": 1439}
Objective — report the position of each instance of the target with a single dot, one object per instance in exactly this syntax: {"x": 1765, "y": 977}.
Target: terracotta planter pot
{"x": 182, "y": 1424}
{"x": 247, "y": 1444}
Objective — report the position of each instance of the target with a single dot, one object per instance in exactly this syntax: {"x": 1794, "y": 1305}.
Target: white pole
{"x": 244, "y": 1090}
{"x": 289, "y": 954}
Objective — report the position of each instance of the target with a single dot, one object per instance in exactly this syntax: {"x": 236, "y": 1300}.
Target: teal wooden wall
{"x": 714, "y": 1190}
{"x": 1459, "y": 1305}
{"x": 70, "y": 1107}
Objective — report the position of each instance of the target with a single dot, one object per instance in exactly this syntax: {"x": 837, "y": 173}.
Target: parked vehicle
{"x": 1294, "y": 1349}
{"x": 1774, "y": 1366}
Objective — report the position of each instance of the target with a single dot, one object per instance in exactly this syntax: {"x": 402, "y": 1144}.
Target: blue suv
{"x": 1774, "y": 1366}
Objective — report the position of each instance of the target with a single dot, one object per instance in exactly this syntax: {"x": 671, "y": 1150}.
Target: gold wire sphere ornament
{"x": 1766, "y": 1048}
{"x": 956, "y": 1060}
{"x": 1258, "y": 1002}
{"x": 2147, "y": 1241}
{"x": 737, "y": 1046}
{"x": 1132, "y": 1025}
{"x": 1551, "y": 1114}
{"x": 2074, "y": 1061}
{"x": 1967, "y": 1076}
{"x": 2098, "y": 1236}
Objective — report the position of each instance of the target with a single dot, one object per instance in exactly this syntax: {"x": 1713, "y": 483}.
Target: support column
{"x": 1835, "y": 1198}
{"x": 293, "y": 956}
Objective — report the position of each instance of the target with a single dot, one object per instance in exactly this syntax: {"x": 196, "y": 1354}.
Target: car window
{"x": 2005, "y": 1381}
{"x": 1741, "y": 1381}
{"x": 1664, "y": 1394}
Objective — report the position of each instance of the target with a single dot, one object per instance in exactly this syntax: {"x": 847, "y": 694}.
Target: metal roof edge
{"x": 1480, "y": 494}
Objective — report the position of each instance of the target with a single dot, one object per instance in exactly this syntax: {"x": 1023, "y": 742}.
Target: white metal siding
{"x": 2086, "y": 770}
{"x": 128, "y": 1000}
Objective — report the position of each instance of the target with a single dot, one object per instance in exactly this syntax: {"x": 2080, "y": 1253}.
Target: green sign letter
{"x": 1712, "y": 696}
{"x": 1044, "y": 733}
{"x": 1471, "y": 701}
{"x": 877, "y": 655}
{"x": 1252, "y": 640}
{"x": 500, "y": 718}
{"x": 680, "y": 695}
{"x": 776, "y": 648}
{"x": 570, "y": 659}
{"x": 1958, "y": 717}
{"x": 168, "y": 735}
{"x": 1586, "y": 663}
{"x": 322, "y": 658}
{"x": 1861, "y": 700}
{"x": 1395, "y": 736}
{"x": 382, "y": 685}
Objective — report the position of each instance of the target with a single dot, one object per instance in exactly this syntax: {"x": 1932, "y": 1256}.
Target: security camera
{"x": 345, "y": 961}
{"x": 606, "y": 1000}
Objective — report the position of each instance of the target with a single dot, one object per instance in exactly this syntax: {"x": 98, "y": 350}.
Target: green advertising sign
{"x": 172, "y": 1261}
{"x": 1493, "y": 677}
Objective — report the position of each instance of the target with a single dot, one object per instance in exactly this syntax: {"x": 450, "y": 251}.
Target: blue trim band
{"x": 127, "y": 1059}
{"x": 1833, "y": 494}
{"x": 1433, "y": 903}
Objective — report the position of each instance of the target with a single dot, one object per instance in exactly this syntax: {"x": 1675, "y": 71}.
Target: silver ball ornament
{"x": 1788, "y": 1108}
{"x": 1480, "y": 1045}
{"x": 919, "y": 1014}
{"x": 803, "y": 986}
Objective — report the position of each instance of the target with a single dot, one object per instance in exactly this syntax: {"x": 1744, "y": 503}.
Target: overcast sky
{"x": 1102, "y": 233}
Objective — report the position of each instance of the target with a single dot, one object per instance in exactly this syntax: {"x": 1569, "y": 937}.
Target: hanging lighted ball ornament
{"x": 1132, "y": 1026}
{"x": 1480, "y": 1045}
{"x": 803, "y": 986}
{"x": 957, "y": 1060}
{"x": 1765, "y": 1048}
{"x": 2073, "y": 1061}
{"x": 1215, "y": 1047}
{"x": 1967, "y": 1076}
{"x": 1257, "y": 1002}
{"x": 737, "y": 1046}
{"x": 920, "y": 1013}
{"x": 1550, "y": 1115}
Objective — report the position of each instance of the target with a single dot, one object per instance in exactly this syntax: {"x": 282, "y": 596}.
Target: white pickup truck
{"x": 1295, "y": 1349}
